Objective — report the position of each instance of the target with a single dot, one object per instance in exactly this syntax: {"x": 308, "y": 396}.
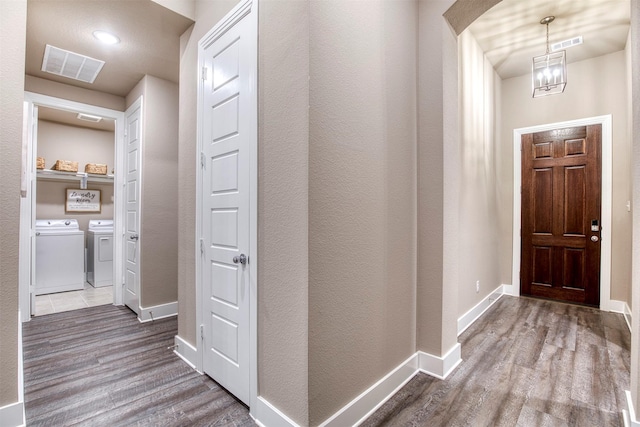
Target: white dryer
{"x": 100, "y": 252}
{"x": 59, "y": 256}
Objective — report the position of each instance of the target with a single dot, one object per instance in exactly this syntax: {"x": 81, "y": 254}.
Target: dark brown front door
{"x": 561, "y": 197}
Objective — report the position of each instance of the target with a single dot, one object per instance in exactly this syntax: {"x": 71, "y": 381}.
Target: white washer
{"x": 100, "y": 252}
{"x": 59, "y": 256}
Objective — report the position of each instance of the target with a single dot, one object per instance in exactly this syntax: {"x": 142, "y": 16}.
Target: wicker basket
{"x": 66, "y": 166}
{"x": 40, "y": 163}
{"x": 95, "y": 168}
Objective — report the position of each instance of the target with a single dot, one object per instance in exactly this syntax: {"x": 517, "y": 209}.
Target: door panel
{"x": 226, "y": 143}
{"x": 543, "y": 189}
{"x": 561, "y": 195}
{"x": 133, "y": 143}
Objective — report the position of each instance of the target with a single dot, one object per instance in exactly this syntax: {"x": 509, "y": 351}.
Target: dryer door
{"x": 105, "y": 248}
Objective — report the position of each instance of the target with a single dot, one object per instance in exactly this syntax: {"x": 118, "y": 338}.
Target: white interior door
{"x": 227, "y": 138}
{"x": 133, "y": 163}
{"x": 28, "y": 212}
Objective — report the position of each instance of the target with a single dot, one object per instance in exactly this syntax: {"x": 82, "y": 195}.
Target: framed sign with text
{"x": 83, "y": 200}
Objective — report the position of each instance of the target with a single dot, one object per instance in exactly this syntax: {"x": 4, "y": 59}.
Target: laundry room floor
{"x": 73, "y": 300}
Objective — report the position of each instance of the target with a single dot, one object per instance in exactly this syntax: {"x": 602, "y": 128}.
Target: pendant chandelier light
{"x": 549, "y": 71}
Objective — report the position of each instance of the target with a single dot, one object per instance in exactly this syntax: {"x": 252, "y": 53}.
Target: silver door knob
{"x": 133, "y": 237}
{"x": 594, "y": 238}
{"x": 242, "y": 259}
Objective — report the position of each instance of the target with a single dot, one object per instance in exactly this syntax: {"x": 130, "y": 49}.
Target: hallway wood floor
{"x": 525, "y": 363}
{"x": 99, "y": 366}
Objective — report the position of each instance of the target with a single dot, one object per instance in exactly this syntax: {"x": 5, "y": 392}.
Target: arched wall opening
{"x": 458, "y": 17}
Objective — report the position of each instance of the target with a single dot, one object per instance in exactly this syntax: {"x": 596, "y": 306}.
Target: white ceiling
{"x": 149, "y": 34}
{"x": 510, "y": 33}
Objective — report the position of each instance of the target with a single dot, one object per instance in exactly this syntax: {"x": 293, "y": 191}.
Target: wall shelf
{"x": 82, "y": 177}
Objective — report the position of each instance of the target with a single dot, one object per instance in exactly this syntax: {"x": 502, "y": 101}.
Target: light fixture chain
{"x": 547, "y": 37}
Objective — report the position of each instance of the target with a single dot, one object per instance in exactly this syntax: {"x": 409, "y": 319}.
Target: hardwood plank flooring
{"x": 100, "y": 367}
{"x": 526, "y": 362}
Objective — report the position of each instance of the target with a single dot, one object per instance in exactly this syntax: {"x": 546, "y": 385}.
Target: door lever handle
{"x": 133, "y": 237}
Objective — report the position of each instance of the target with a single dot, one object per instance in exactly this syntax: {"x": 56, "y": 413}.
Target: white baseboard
{"x": 12, "y": 415}
{"x": 267, "y": 415}
{"x": 623, "y": 308}
{"x": 360, "y": 408}
{"x": 630, "y": 417}
{"x": 510, "y": 290}
{"x": 472, "y": 315}
{"x": 440, "y": 367}
{"x": 627, "y": 315}
{"x": 363, "y": 406}
{"x": 20, "y": 360}
{"x": 185, "y": 351}
{"x": 616, "y": 306}
{"x": 148, "y": 314}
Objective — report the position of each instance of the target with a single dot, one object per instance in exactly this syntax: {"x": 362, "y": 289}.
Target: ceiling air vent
{"x": 69, "y": 64}
{"x": 89, "y": 117}
{"x": 566, "y": 43}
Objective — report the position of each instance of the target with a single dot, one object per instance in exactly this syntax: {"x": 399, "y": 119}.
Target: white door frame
{"x": 26, "y": 203}
{"x": 607, "y": 180}
{"x": 240, "y": 11}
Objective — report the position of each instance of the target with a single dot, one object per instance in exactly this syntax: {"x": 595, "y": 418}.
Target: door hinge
{"x": 204, "y": 73}
{"x": 201, "y": 246}
{"x": 202, "y": 332}
{"x": 203, "y": 160}
{"x": 125, "y": 132}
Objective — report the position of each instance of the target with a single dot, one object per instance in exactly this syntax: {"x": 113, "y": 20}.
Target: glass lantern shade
{"x": 549, "y": 74}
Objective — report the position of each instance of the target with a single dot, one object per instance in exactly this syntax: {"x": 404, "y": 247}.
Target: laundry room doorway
{"x": 70, "y": 246}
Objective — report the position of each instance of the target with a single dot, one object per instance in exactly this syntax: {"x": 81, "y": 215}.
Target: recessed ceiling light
{"x": 105, "y": 37}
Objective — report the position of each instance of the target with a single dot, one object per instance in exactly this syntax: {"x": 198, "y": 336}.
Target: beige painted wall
{"x": 13, "y": 24}
{"x": 362, "y": 206}
{"x": 50, "y": 202}
{"x": 595, "y": 87}
{"x": 58, "y": 141}
{"x": 207, "y": 15}
{"x": 283, "y": 212}
{"x": 437, "y": 298}
{"x": 72, "y": 93}
{"x": 635, "y": 94}
{"x": 183, "y": 7}
{"x": 480, "y": 150}
{"x": 159, "y": 191}
{"x": 629, "y": 71}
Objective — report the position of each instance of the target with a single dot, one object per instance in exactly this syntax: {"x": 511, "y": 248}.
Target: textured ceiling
{"x": 149, "y": 34}
{"x": 69, "y": 118}
{"x": 510, "y": 33}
